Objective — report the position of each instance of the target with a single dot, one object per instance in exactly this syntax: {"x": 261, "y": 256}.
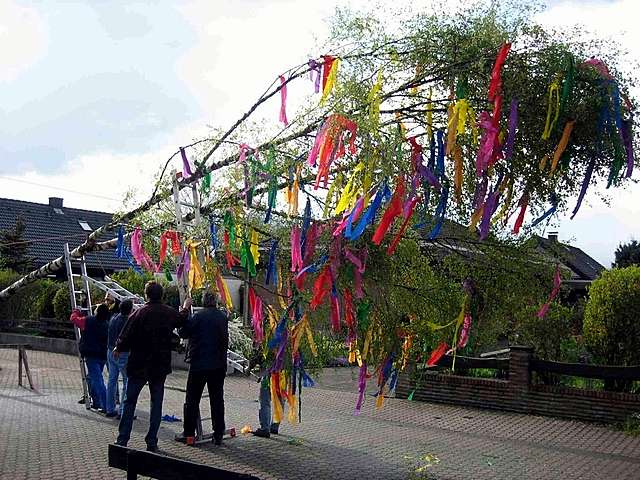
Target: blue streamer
{"x": 383, "y": 194}
{"x": 213, "y": 230}
{"x": 549, "y": 212}
{"x": 306, "y": 222}
{"x": 272, "y": 271}
{"x": 120, "y": 247}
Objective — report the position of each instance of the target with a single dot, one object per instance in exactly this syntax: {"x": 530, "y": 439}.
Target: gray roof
{"x": 583, "y": 266}
{"x": 49, "y": 231}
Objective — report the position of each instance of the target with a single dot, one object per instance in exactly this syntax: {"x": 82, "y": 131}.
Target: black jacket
{"x": 208, "y": 334}
{"x": 147, "y": 336}
{"x": 93, "y": 342}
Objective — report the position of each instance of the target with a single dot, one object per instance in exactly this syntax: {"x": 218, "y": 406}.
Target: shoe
{"x": 102, "y": 411}
{"x": 152, "y": 448}
{"x": 262, "y": 433}
{"x": 274, "y": 431}
{"x": 217, "y": 441}
{"x": 82, "y": 401}
{"x": 111, "y": 414}
{"x": 120, "y": 444}
{"x": 181, "y": 437}
{"x": 118, "y": 416}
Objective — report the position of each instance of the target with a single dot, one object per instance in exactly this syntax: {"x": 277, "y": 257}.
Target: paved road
{"x": 48, "y": 435}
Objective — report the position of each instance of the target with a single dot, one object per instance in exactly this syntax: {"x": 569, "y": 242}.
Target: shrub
{"x": 22, "y": 304}
{"x": 611, "y": 327}
{"x": 546, "y": 335}
{"x": 132, "y": 280}
{"x": 43, "y": 303}
{"x": 62, "y": 304}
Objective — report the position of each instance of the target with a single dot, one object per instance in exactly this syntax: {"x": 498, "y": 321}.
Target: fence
{"x": 517, "y": 393}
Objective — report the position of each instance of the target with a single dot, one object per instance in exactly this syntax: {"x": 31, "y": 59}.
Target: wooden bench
{"x": 139, "y": 462}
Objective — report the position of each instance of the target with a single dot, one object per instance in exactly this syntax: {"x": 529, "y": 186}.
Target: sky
{"x": 94, "y": 96}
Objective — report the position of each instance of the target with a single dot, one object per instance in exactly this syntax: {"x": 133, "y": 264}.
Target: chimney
{"x": 55, "y": 202}
{"x": 553, "y": 236}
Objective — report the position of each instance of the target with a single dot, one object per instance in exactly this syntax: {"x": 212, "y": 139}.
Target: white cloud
{"x": 23, "y": 39}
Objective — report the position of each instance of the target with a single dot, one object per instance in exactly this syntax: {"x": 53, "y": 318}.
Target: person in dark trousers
{"x": 147, "y": 337}
{"x": 208, "y": 334}
{"x": 117, "y": 367}
{"x": 93, "y": 348}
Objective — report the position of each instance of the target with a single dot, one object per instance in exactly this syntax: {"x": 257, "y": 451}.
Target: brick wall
{"x": 518, "y": 394}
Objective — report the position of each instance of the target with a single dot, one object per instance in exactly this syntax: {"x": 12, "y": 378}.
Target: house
{"x": 49, "y": 226}
{"x": 583, "y": 268}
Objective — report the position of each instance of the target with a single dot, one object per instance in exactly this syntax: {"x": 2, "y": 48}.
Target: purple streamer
{"x": 186, "y": 168}
{"x": 362, "y": 384}
{"x": 489, "y": 208}
{"x": 585, "y": 185}
{"x": 315, "y": 67}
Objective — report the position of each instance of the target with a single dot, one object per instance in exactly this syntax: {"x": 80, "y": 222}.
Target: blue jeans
{"x": 264, "y": 414}
{"x": 95, "y": 382}
{"x": 134, "y": 387}
{"x": 116, "y": 368}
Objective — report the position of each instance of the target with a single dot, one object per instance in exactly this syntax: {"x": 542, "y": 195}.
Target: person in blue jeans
{"x": 147, "y": 336}
{"x": 117, "y": 367}
{"x": 267, "y": 425}
{"x": 93, "y": 348}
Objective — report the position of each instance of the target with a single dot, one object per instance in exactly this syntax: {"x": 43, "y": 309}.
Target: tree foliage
{"x": 13, "y": 248}
{"x": 627, "y": 254}
{"x": 611, "y": 327}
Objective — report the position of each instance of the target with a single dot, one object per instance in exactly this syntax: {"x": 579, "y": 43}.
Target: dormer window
{"x": 85, "y": 226}
{"x": 58, "y": 211}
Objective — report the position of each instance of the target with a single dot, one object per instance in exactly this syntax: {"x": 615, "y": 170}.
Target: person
{"x": 208, "y": 335}
{"x": 93, "y": 348}
{"x": 147, "y": 337}
{"x": 117, "y": 367}
{"x": 267, "y": 426}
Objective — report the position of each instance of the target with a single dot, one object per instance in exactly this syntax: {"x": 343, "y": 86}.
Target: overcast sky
{"x": 94, "y": 96}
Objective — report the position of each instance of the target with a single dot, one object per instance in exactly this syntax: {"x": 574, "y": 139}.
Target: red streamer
{"x": 393, "y": 210}
{"x": 496, "y": 75}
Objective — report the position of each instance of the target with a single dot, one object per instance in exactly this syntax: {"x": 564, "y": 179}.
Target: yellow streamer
{"x": 474, "y": 126}
{"x": 283, "y": 304}
{"x": 380, "y": 400}
{"x": 196, "y": 273}
{"x": 349, "y": 193}
{"x": 255, "y": 253}
{"x": 562, "y": 145}
{"x": 452, "y": 128}
{"x": 292, "y": 193}
{"x": 458, "y": 172}
{"x": 276, "y": 405}
{"x": 374, "y": 103}
{"x": 226, "y": 293}
{"x": 331, "y": 81}
{"x": 553, "y": 100}
{"x": 367, "y": 343}
{"x": 475, "y": 218}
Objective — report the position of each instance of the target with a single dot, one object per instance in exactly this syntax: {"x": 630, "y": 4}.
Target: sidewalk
{"x": 48, "y": 435}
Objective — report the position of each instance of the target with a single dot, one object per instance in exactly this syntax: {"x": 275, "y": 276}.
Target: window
{"x": 58, "y": 211}
{"x": 85, "y": 226}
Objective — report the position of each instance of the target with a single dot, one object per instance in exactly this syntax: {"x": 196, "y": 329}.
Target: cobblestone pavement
{"x": 48, "y": 435}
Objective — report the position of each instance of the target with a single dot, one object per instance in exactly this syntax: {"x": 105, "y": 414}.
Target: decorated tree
{"x": 480, "y": 117}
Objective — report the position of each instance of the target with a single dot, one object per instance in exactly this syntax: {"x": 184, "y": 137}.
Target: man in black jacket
{"x": 147, "y": 338}
{"x": 208, "y": 334}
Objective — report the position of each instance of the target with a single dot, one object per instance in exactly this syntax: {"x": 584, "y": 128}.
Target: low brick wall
{"x": 518, "y": 394}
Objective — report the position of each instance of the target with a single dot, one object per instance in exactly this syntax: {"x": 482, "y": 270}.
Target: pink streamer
{"x": 335, "y": 312}
{"x": 283, "y": 101}
{"x": 357, "y": 210}
{"x": 315, "y": 150}
{"x": 464, "y": 334}
{"x": 360, "y": 264}
{"x": 244, "y": 148}
{"x": 139, "y": 254}
{"x": 487, "y": 142}
{"x": 256, "y": 316}
{"x": 556, "y": 289}
{"x": 296, "y": 254}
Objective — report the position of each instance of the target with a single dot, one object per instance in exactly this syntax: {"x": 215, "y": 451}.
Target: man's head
{"x": 108, "y": 299}
{"x": 102, "y": 312}
{"x": 209, "y": 299}
{"x": 126, "y": 306}
{"x": 153, "y": 291}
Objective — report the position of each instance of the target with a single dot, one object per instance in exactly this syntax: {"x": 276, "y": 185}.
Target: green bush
{"x": 548, "y": 335}
{"x": 21, "y": 305}
{"x": 43, "y": 302}
{"x": 611, "y": 326}
{"x": 62, "y": 304}
{"x": 132, "y": 280}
